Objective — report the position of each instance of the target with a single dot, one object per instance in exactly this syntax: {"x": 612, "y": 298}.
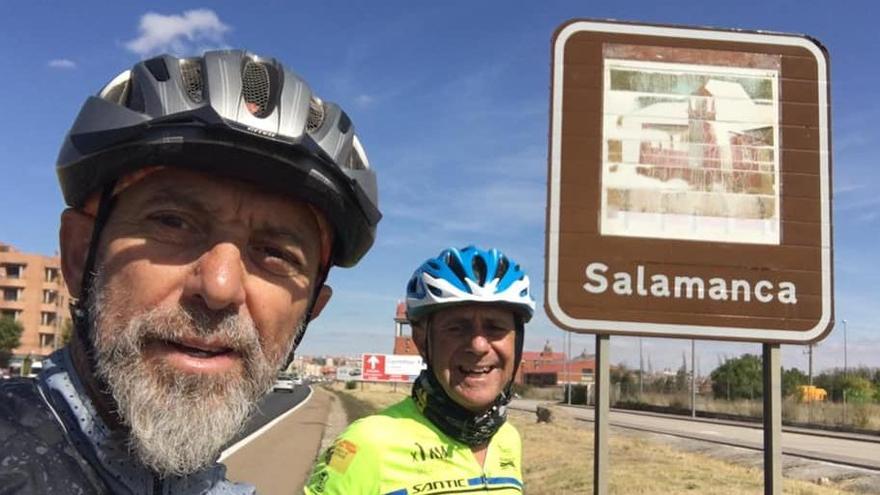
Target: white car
{"x": 284, "y": 382}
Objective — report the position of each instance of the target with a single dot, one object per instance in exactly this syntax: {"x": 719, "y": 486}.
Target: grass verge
{"x": 368, "y": 398}
{"x": 558, "y": 457}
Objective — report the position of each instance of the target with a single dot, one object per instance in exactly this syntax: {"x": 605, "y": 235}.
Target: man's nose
{"x": 218, "y": 277}
{"x": 479, "y": 342}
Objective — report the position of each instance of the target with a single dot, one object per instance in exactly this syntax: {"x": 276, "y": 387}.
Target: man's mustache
{"x": 223, "y": 328}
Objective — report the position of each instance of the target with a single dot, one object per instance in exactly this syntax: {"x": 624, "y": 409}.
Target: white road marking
{"x": 244, "y": 441}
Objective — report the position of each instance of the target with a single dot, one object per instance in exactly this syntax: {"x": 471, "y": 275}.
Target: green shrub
{"x": 351, "y": 385}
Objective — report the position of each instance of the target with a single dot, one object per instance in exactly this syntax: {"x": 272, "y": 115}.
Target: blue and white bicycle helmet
{"x": 468, "y": 275}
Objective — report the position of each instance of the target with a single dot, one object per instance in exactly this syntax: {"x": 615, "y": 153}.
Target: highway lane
{"x": 270, "y": 407}
{"x": 278, "y": 456}
{"x": 855, "y": 450}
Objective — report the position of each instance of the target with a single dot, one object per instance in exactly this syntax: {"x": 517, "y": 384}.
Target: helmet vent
{"x": 255, "y": 88}
{"x": 191, "y": 74}
{"x": 502, "y": 267}
{"x": 316, "y": 115}
{"x": 117, "y": 89}
{"x": 478, "y": 265}
{"x": 355, "y": 162}
{"x": 455, "y": 265}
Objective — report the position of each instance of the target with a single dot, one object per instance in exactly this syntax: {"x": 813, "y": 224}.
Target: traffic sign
{"x": 390, "y": 367}
{"x": 689, "y": 190}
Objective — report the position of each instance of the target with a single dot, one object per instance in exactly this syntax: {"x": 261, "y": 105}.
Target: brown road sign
{"x": 689, "y": 190}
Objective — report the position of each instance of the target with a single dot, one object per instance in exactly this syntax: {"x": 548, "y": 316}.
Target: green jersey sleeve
{"x": 348, "y": 467}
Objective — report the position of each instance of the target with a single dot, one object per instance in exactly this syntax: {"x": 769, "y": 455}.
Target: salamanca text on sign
{"x": 687, "y": 287}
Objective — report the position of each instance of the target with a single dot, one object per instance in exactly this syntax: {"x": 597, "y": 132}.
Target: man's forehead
{"x": 202, "y": 183}
{"x": 212, "y": 194}
{"x": 468, "y": 312}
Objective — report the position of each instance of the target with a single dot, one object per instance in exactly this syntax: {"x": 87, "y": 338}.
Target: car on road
{"x": 284, "y": 382}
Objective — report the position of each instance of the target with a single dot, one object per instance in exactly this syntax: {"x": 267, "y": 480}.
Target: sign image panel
{"x": 689, "y": 149}
{"x": 689, "y": 184}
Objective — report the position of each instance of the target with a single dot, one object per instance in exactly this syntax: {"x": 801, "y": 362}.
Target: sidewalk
{"x": 280, "y": 460}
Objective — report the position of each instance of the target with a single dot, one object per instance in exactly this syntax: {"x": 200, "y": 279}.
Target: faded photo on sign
{"x": 690, "y": 144}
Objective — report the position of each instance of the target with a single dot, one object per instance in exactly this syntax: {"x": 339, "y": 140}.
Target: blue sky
{"x": 451, "y": 100}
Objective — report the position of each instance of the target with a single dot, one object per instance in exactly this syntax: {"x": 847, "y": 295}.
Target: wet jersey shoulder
{"x": 35, "y": 454}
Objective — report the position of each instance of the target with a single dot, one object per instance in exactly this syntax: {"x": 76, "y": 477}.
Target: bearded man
{"x": 208, "y": 198}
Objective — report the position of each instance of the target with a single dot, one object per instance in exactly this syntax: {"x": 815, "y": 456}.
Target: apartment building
{"x": 32, "y": 291}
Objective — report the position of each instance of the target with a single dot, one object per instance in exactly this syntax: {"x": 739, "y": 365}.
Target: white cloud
{"x": 62, "y": 63}
{"x": 178, "y": 33}
{"x": 847, "y": 188}
{"x": 869, "y": 217}
{"x": 364, "y": 101}
{"x": 868, "y": 203}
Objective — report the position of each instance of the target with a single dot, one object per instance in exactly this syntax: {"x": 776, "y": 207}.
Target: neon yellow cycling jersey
{"x": 400, "y": 452}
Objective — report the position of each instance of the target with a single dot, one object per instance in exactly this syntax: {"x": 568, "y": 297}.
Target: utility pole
{"x": 641, "y": 370}
{"x": 810, "y": 398}
{"x": 568, "y": 370}
{"x": 811, "y": 364}
{"x": 693, "y": 379}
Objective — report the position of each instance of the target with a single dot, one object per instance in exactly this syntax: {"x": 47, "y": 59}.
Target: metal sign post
{"x": 602, "y": 410}
{"x": 693, "y": 378}
{"x": 772, "y": 364}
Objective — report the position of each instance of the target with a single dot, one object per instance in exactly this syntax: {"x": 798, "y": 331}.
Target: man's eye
{"x": 277, "y": 260}
{"x": 499, "y": 330}
{"x": 498, "y": 326}
{"x": 170, "y": 220}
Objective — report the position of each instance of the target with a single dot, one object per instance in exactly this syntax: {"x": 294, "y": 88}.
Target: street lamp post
{"x": 845, "y": 362}
{"x": 845, "y": 370}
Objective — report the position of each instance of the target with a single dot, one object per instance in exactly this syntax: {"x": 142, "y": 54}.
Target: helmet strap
{"x": 79, "y": 309}
{"x": 518, "y": 351}
{"x": 320, "y": 279}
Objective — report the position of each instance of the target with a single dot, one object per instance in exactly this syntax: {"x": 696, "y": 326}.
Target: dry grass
{"x": 368, "y": 398}
{"x": 558, "y": 458}
{"x": 827, "y": 414}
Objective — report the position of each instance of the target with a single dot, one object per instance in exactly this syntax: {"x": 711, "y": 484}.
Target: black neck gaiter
{"x": 469, "y": 428}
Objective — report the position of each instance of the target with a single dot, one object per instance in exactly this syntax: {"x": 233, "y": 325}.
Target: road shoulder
{"x": 279, "y": 460}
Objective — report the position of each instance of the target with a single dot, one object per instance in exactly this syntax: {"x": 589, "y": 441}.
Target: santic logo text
{"x": 660, "y": 285}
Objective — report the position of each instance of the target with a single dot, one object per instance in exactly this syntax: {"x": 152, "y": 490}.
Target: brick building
{"x": 547, "y": 368}
{"x": 403, "y": 344}
{"x": 32, "y": 292}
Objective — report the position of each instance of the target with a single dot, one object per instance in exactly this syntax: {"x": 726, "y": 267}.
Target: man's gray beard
{"x": 179, "y": 421}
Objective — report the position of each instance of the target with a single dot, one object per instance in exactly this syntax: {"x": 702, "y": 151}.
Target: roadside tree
{"x": 792, "y": 378}
{"x": 10, "y": 338}
{"x": 738, "y": 378}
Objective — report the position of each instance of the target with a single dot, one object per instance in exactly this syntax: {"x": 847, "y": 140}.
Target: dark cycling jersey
{"x": 399, "y": 452}
{"x": 52, "y": 441}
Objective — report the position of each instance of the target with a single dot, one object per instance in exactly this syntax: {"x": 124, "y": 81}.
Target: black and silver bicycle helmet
{"x": 230, "y": 113}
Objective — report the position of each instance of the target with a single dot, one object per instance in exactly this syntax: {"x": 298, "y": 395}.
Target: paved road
{"x": 856, "y": 450}
{"x": 279, "y": 458}
{"x": 272, "y": 406}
